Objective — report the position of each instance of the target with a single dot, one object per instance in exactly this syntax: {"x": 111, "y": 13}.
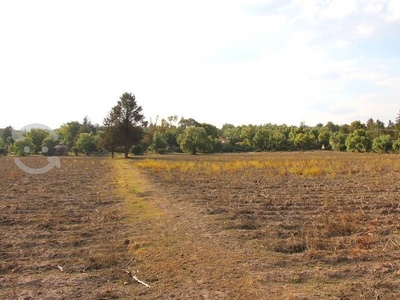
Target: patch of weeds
{"x": 290, "y": 246}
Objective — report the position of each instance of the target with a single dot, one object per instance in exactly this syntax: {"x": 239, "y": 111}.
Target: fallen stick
{"x": 136, "y": 279}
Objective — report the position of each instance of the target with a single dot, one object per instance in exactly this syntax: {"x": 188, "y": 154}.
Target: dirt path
{"x": 176, "y": 249}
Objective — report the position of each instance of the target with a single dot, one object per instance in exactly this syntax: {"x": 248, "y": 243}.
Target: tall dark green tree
{"x": 125, "y": 123}
{"x": 7, "y": 133}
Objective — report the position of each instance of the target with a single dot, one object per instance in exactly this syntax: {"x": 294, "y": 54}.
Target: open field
{"x": 313, "y": 225}
{"x": 62, "y": 233}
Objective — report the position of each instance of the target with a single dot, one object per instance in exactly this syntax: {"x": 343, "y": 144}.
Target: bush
{"x": 137, "y": 150}
{"x": 227, "y": 147}
{"x": 382, "y": 144}
{"x": 75, "y": 151}
{"x": 23, "y": 147}
{"x": 161, "y": 150}
{"x": 3, "y": 151}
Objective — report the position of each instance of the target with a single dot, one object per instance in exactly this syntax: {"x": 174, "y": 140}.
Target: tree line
{"x": 124, "y": 130}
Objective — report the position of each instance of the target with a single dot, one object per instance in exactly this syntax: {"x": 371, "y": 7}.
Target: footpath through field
{"x": 175, "y": 249}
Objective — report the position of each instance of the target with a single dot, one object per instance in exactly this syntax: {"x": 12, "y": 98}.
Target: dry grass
{"x": 328, "y": 219}
{"x": 317, "y": 225}
{"x": 62, "y": 233}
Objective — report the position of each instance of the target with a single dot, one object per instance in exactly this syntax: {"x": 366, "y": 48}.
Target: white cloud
{"x": 373, "y": 7}
{"x": 365, "y": 30}
{"x": 391, "y": 82}
{"x": 345, "y": 109}
{"x": 339, "y": 9}
{"x": 309, "y": 9}
{"x": 393, "y": 10}
{"x": 342, "y": 43}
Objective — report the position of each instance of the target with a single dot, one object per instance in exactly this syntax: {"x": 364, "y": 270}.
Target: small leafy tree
{"x": 323, "y": 138}
{"x": 260, "y": 139}
{"x": 87, "y": 143}
{"x": 68, "y": 133}
{"x": 338, "y": 141}
{"x": 37, "y": 135}
{"x": 247, "y": 135}
{"x": 23, "y": 147}
{"x": 194, "y": 139}
{"x": 382, "y": 144}
{"x": 48, "y": 144}
{"x": 396, "y": 145}
{"x": 159, "y": 142}
{"x": 303, "y": 141}
{"x": 358, "y": 141}
{"x": 277, "y": 141}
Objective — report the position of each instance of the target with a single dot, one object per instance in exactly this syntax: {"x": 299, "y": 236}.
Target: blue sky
{"x": 220, "y": 61}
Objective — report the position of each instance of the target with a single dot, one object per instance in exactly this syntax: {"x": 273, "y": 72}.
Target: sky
{"x": 217, "y": 61}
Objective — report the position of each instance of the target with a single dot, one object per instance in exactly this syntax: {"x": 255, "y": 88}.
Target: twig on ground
{"x": 136, "y": 279}
{"x": 130, "y": 261}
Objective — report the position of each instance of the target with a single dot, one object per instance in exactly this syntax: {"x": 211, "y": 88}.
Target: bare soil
{"x": 283, "y": 228}
{"x": 61, "y": 232}
{"x": 278, "y": 229}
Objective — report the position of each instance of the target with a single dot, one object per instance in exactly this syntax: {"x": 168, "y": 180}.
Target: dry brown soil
{"x": 261, "y": 232}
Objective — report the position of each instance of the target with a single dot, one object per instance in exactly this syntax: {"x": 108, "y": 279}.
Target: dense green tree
{"x": 193, "y": 140}
{"x": 159, "y": 144}
{"x": 3, "y": 149}
{"x": 323, "y": 139}
{"x": 382, "y": 143}
{"x": 7, "y": 135}
{"x": 247, "y": 135}
{"x": 344, "y": 129}
{"x": 168, "y": 128}
{"x": 23, "y": 147}
{"x": 261, "y": 138}
{"x": 313, "y": 135}
{"x": 231, "y": 134}
{"x": 48, "y": 145}
{"x": 338, "y": 141}
{"x": 355, "y": 125}
{"x": 330, "y": 126}
{"x": 277, "y": 141}
{"x": 185, "y": 123}
{"x": 37, "y": 135}
{"x": 396, "y": 145}
{"x": 88, "y": 127}
{"x": 374, "y": 128}
{"x": 304, "y": 141}
{"x": 211, "y": 130}
{"x": 358, "y": 141}
{"x": 68, "y": 133}
{"x": 124, "y": 124}
{"x": 109, "y": 138}
{"x": 87, "y": 143}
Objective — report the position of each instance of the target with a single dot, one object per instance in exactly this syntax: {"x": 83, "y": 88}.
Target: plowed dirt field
{"x": 314, "y": 225}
